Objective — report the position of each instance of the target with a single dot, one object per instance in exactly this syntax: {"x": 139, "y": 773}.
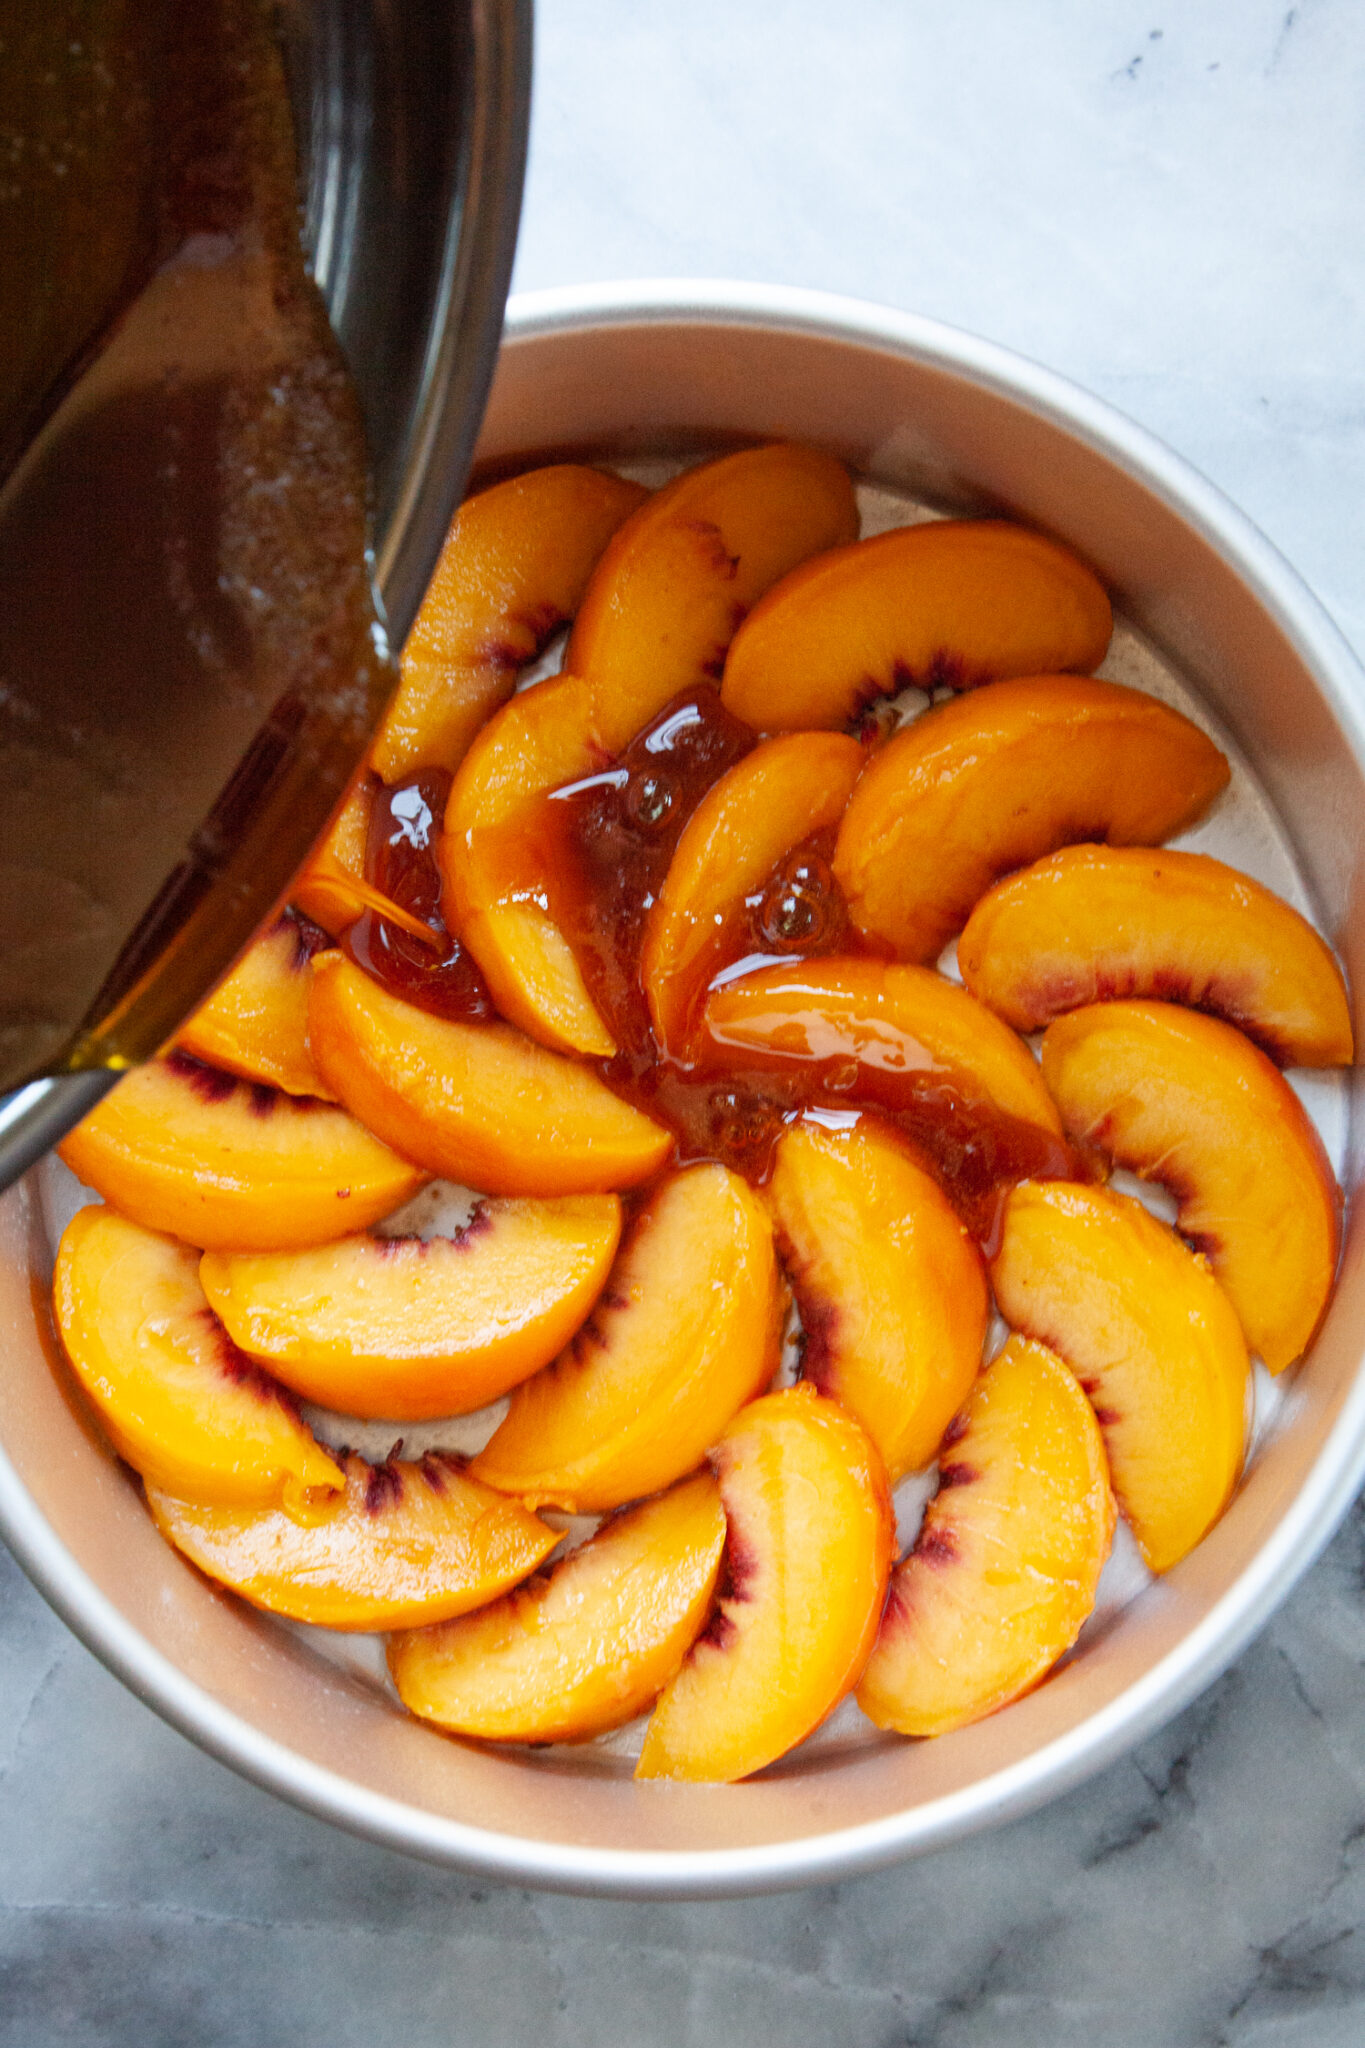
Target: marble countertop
{"x": 1166, "y": 204}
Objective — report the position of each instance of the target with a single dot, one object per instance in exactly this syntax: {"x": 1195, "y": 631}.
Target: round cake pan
{"x": 637, "y": 370}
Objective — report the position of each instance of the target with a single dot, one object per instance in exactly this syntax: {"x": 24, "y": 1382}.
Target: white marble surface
{"x": 1166, "y": 203}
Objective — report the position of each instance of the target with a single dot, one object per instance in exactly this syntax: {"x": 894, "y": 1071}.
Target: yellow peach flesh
{"x": 493, "y": 880}
{"x": 584, "y": 1646}
{"x": 891, "y": 1289}
{"x": 176, "y": 1399}
{"x": 405, "y": 1330}
{"x": 994, "y": 780}
{"x": 407, "y": 1543}
{"x": 231, "y": 1165}
{"x": 513, "y": 569}
{"x": 255, "y": 1024}
{"x": 1098, "y": 923}
{"x": 478, "y": 1103}
{"x": 954, "y": 601}
{"x": 1005, "y": 1567}
{"x": 1187, "y": 1100}
{"x": 674, "y": 582}
{"x": 898, "y": 1020}
{"x": 688, "y": 1329}
{"x": 810, "y": 1542}
{"x": 1153, "y": 1340}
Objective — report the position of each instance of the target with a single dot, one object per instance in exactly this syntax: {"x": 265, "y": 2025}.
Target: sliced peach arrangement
{"x": 402, "y": 1330}
{"x": 1004, "y": 1570}
{"x": 954, "y": 601}
{"x": 655, "y": 620}
{"x": 1095, "y": 923}
{"x": 785, "y": 791}
{"x": 477, "y": 1103}
{"x": 678, "y": 577}
{"x": 891, "y": 1289}
{"x": 177, "y": 1399}
{"x": 898, "y": 1021}
{"x": 1154, "y": 1341}
{"x": 256, "y": 1023}
{"x": 1188, "y": 1101}
{"x": 584, "y": 1646}
{"x": 688, "y": 1329}
{"x": 809, "y": 1548}
{"x": 993, "y": 781}
{"x": 405, "y": 1543}
{"x": 187, "y": 1149}
{"x": 512, "y": 571}
{"x": 592, "y": 1006}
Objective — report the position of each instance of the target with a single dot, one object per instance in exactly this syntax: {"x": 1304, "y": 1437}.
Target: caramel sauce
{"x": 604, "y": 846}
{"x": 400, "y": 861}
{"x": 595, "y": 854}
{"x": 797, "y": 913}
{"x": 189, "y": 653}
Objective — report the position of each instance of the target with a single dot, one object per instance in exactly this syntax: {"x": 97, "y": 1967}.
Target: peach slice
{"x": 892, "y": 1021}
{"x": 232, "y": 1165}
{"x": 785, "y": 791}
{"x": 891, "y": 1289}
{"x": 677, "y": 578}
{"x": 689, "y": 1328}
{"x": 1004, "y": 1569}
{"x": 1188, "y": 1101}
{"x": 954, "y": 601}
{"x": 993, "y": 781}
{"x": 492, "y": 870}
{"x": 584, "y": 1646}
{"x": 406, "y": 1543}
{"x": 810, "y": 1545}
{"x": 175, "y": 1396}
{"x": 1097, "y": 922}
{"x": 476, "y": 1102}
{"x": 256, "y": 1023}
{"x": 1153, "y": 1340}
{"x": 513, "y": 569}
{"x": 398, "y": 1329}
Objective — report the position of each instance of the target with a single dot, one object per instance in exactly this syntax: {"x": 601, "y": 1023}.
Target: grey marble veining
{"x": 1164, "y": 202}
